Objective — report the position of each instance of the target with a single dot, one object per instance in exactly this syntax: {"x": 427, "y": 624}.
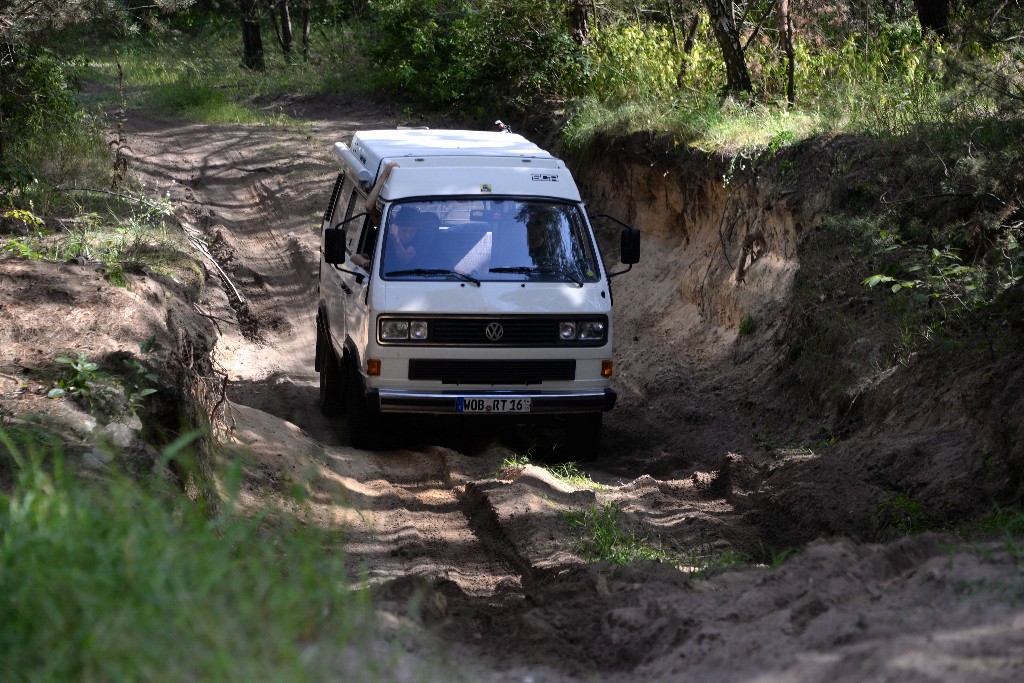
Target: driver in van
{"x": 363, "y": 260}
{"x": 405, "y": 248}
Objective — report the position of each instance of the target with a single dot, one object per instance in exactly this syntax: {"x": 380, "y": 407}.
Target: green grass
{"x": 567, "y": 472}
{"x": 898, "y": 516}
{"x": 1002, "y": 523}
{"x": 111, "y": 581}
{"x": 571, "y": 474}
{"x": 604, "y": 537}
{"x": 122, "y": 231}
{"x": 199, "y": 76}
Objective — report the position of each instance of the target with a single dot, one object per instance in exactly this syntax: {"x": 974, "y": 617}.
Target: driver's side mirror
{"x": 630, "y": 245}
{"x": 334, "y": 244}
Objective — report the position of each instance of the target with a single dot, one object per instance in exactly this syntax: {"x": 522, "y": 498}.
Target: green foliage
{"x": 104, "y": 580}
{"x": 885, "y": 83}
{"x": 952, "y": 296}
{"x": 37, "y": 96}
{"x": 567, "y": 472}
{"x": 604, "y": 536}
{"x": 131, "y": 233}
{"x": 139, "y": 380}
{"x": 104, "y": 394}
{"x": 1006, "y": 522}
{"x": 898, "y": 516}
{"x": 571, "y": 474}
{"x": 486, "y": 55}
{"x": 512, "y": 463}
{"x": 82, "y": 382}
{"x": 630, "y": 63}
{"x": 746, "y": 324}
{"x": 420, "y": 42}
{"x": 197, "y": 74}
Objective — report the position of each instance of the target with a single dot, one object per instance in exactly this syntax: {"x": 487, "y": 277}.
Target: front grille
{"x": 492, "y": 372}
{"x": 516, "y": 331}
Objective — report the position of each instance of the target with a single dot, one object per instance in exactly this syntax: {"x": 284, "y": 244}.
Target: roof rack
{"x": 347, "y": 157}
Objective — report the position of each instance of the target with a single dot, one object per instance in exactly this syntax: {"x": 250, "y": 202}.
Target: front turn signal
{"x": 373, "y": 367}
{"x": 606, "y": 368}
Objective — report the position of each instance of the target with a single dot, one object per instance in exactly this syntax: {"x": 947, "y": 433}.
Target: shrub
{"x": 482, "y": 55}
{"x": 631, "y": 62}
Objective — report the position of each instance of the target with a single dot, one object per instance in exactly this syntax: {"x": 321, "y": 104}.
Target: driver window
{"x": 361, "y": 236}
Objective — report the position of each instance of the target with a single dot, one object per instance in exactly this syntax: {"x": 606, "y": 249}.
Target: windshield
{"x": 509, "y": 240}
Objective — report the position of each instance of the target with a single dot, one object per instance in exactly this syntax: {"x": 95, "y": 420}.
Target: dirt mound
{"x": 713, "y": 330}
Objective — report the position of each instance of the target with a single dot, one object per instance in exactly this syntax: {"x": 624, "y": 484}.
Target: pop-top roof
{"x": 372, "y": 147}
{"x": 456, "y": 162}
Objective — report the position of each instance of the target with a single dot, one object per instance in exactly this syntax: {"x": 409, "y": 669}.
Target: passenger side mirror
{"x": 334, "y": 245}
{"x": 629, "y": 243}
{"x": 630, "y": 246}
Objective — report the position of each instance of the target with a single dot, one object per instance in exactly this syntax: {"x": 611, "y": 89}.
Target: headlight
{"x": 394, "y": 329}
{"x": 418, "y": 330}
{"x": 567, "y": 331}
{"x": 399, "y": 330}
{"x": 591, "y": 331}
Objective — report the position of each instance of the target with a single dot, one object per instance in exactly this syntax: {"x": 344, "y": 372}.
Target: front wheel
{"x": 364, "y": 427}
{"x": 332, "y": 394}
{"x": 583, "y": 435}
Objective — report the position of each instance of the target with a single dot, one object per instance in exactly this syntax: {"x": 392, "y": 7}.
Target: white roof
{"x": 531, "y": 180}
{"x": 373, "y": 147}
{"x": 473, "y": 163}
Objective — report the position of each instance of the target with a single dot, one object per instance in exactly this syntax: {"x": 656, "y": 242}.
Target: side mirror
{"x": 630, "y": 246}
{"x": 334, "y": 245}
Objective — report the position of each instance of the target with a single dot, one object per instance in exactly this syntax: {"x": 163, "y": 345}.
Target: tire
{"x": 364, "y": 428}
{"x": 583, "y": 436}
{"x": 331, "y": 375}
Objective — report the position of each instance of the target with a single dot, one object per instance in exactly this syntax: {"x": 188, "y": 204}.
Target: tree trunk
{"x": 691, "y": 35}
{"x": 305, "y": 14}
{"x": 672, "y": 22}
{"x": 786, "y": 43}
{"x": 578, "y": 22}
{"x": 286, "y": 37}
{"x": 728, "y": 39}
{"x": 934, "y": 16}
{"x": 252, "y": 39}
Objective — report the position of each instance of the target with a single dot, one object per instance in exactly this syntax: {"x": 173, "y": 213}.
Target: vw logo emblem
{"x": 494, "y": 331}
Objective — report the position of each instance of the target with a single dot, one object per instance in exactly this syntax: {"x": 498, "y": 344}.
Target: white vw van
{"x": 473, "y": 286}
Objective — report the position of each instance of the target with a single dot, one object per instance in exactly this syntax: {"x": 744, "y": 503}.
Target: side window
{"x": 361, "y": 235}
{"x": 352, "y": 233}
{"x": 332, "y": 207}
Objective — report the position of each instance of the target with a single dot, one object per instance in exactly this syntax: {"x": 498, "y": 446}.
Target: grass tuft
{"x": 605, "y": 537}
{"x": 105, "y": 580}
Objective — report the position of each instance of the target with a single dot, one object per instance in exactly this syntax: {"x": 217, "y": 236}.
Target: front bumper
{"x": 542, "y": 403}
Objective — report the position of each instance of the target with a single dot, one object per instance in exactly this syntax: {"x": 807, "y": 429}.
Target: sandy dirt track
{"x": 498, "y": 582}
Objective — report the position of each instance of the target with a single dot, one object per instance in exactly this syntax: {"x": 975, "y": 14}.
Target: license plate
{"x": 493, "y": 405}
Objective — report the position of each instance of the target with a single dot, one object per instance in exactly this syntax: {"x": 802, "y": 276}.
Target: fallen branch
{"x": 201, "y": 248}
{"x": 119, "y": 195}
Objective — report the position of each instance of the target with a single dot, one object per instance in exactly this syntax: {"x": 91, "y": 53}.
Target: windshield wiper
{"x": 434, "y": 271}
{"x": 533, "y": 270}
